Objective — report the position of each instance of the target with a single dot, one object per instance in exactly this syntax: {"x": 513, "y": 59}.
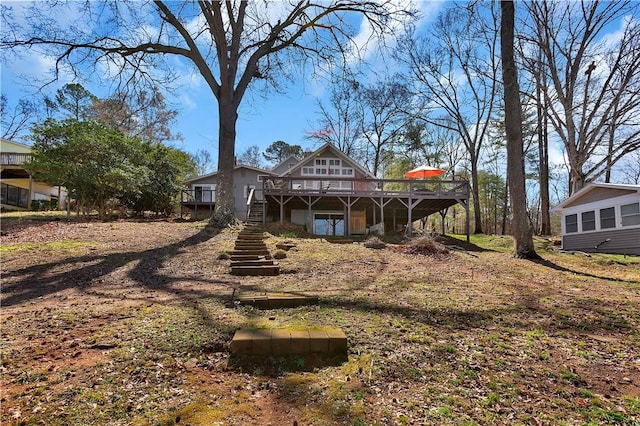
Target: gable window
{"x": 307, "y": 171}
{"x": 589, "y": 221}
{"x": 321, "y": 162}
{"x": 608, "y": 218}
{"x": 571, "y": 223}
{"x": 630, "y": 214}
{"x": 347, "y": 172}
{"x": 334, "y": 162}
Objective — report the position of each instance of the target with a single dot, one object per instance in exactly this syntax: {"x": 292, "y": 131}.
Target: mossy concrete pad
{"x": 289, "y": 341}
{"x": 277, "y": 300}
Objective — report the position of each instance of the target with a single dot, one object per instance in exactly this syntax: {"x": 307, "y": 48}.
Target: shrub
{"x": 222, "y": 219}
{"x": 280, "y": 254}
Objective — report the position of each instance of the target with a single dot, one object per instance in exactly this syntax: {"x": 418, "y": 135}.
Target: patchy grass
{"x": 138, "y": 332}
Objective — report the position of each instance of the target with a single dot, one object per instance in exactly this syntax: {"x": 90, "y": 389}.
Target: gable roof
{"x": 615, "y": 188}
{"x": 282, "y": 167}
{"x": 340, "y": 154}
{"x": 6, "y": 142}
{"x": 237, "y": 167}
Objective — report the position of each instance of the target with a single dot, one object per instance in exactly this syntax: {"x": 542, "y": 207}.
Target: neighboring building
{"x": 330, "y": 194}
{"x": 602, "y": 217}
{"x": 18, "y": 188}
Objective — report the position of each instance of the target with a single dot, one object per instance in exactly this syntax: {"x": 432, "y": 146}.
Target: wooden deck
{"x": 392, "y": 202}
{"x": 400, "y": 200}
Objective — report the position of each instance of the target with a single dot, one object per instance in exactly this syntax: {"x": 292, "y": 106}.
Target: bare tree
{"x": 384, "y": 120}
{"x": 231, "y": 44}
{"x": 145, "y": 115}
{"x": 340, "y": 121}
{"x": 520, "y": 226}
{"x": 252, "y": 156}
{"x": 15, "y": 121}
{"x": 203, "y": 160}
{"x": 593, "y": 95}
{"x": 631, "y": 170}
{"x": 456, "y": 69}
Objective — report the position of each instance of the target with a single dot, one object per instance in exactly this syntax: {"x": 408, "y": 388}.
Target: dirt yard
{"x": 130, "y": 323}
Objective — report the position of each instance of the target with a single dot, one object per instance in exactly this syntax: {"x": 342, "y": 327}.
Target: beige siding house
{"x": 19, "y": 191}
{"x": 602, "y": 217}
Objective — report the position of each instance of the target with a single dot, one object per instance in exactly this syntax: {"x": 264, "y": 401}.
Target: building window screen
{"x": 589, "y": 221}
{"x": 630, "y": 214}
{"x": 571, "y": 223}
{"x": 14, "y": 196}
{"x": 607, "y": 218}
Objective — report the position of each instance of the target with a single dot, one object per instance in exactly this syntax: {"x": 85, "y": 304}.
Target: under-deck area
{"x": 357, "y": 206}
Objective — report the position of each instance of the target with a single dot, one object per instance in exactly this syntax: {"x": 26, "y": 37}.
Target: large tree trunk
{"x": 520, "y": 228}
{"x": 543, "y": 154}
{"x": 475, "y": 190}
{"x": 226, "y": 156}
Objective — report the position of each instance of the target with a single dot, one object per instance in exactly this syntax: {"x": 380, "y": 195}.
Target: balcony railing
{"x": 204, "y": 196}
{"x": 367, "y": 187}
{"x": 14, "y": 158}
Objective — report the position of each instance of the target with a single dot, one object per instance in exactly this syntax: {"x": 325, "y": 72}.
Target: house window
{"x": 307, "y": 171}
{"x": 321, "y": 171}
{"x": 334, "y": 162}
{"x": 262, "y": 178}
{"x": 321, "y": 162}
{"x": 608, "y": 218}
{"x": 347, "y": 172}
{"x": 571, "y": 223}
{"x": 328, "y": 224}
{"x": 630, "y": 214}
{"x": 334, "y": 171}
{"x": 588, "y": 221}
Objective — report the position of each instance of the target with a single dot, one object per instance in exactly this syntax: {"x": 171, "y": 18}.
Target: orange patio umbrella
{"x": 423, "y": 172}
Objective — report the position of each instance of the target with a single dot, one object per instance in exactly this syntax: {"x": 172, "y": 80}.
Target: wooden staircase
{"x": 251, "y": 255}
{"x": 255, "y": 208}
{"x": 256, "y": 213}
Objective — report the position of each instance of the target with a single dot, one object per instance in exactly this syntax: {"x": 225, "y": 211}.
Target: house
{"x": 200, "y": 195}
{"x": 330, "y": 194}
{"x": 602, "y": 217}
{"x": 19, "y": 190}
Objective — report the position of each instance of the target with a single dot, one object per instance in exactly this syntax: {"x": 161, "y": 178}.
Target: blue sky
{"x": 263, "y": 119}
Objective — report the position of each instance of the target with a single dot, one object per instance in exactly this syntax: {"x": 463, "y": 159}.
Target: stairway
{"x": 251, "y": 255}
{"x": 255, "y": 213}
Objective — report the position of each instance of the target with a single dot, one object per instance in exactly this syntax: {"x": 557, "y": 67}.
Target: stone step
{"x": 249, "y": 257}
{"x": 289, "y": 341}
{"x": 277, "y": 300}
{"x": 252, "y": 262}
{"x": 250, "y": 244}
{"x": 250, "y": 237}
{"x": 265, "y": 271}
{"x": 256, "y": 252}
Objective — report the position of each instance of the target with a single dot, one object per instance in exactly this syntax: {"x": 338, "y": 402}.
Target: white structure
{"x": 602, "y": 217}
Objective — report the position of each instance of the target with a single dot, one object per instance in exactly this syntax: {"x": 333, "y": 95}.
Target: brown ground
{"x": 130, "y": 323}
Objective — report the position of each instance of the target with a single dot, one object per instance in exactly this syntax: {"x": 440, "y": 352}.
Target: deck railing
{"x": 367, "y": 187}
{"x": 202, "y": 196}
{"x": 14, "y": 158}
